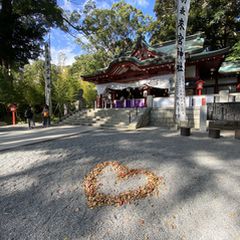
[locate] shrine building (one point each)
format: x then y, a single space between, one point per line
147 72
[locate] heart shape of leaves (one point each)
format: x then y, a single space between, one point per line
96 198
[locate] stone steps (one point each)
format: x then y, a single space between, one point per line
112 118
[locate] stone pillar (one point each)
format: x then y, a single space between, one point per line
203 118
224 95
99 101
65 109
149 101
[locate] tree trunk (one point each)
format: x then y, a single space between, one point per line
6 32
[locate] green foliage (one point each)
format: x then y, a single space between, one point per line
89 93
235 54
32 85
85 65
164 28
218 19
6 89
110 31
23 25
65 89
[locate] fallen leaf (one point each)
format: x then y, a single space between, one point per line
95 198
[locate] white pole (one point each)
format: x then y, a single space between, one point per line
48 84
180 102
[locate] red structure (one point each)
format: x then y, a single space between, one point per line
199 84
13 109
151 69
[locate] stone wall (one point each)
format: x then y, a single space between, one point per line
164 117
142 119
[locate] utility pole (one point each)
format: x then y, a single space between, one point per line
48 83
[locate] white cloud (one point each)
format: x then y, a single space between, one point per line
63 43
70 5
67 5
141 3
65 56
104 4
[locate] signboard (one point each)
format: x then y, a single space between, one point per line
182 17
223 111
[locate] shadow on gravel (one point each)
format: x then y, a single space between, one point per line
45 200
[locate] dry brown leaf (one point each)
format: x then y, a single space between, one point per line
95 198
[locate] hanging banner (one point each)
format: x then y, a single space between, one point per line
161 82
47 75
182 18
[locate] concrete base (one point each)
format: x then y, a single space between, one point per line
214 133
185 131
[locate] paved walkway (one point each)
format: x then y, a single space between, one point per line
19 135
42 195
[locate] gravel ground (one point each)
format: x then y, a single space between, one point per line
42 196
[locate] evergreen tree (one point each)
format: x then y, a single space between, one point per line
111 31
23 25
218 19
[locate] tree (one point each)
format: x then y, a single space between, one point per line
111 31
235 54
164 28
32 84
85 65
65 89
6 91
218 19
23 25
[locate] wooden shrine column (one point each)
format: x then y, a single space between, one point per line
146 91
197 77
238 82
113 97
215 78
99 101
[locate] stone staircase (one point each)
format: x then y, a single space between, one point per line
130 118
104 118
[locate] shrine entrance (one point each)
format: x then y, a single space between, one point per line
129 97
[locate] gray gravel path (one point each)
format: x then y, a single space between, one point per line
41 193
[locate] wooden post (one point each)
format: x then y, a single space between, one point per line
13 118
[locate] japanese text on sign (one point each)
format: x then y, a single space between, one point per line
182 17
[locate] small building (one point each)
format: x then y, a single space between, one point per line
135 78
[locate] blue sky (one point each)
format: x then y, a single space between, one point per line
64 43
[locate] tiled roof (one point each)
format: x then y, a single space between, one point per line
162 54
230 67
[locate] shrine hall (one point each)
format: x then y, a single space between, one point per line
148 72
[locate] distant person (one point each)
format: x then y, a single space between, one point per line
29 116
46 116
